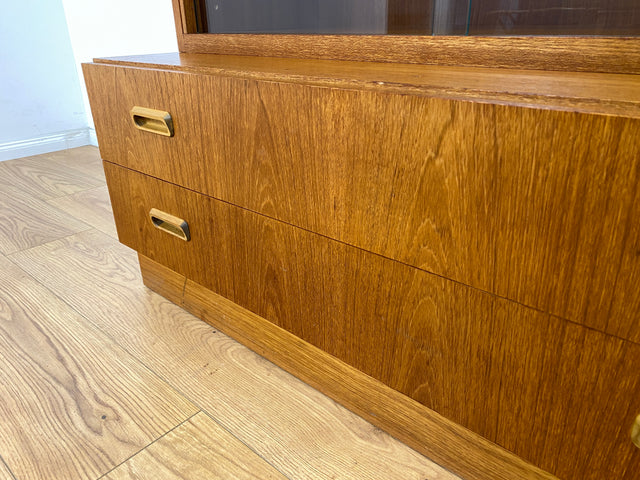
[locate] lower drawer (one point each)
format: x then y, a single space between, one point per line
558 394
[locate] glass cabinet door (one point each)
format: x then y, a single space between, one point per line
421 17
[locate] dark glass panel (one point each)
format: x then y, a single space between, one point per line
421 17
297 16
554 17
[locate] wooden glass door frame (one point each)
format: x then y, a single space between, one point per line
558 53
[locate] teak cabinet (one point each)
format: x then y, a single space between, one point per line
451 252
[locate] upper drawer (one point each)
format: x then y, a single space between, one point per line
538 206
114 92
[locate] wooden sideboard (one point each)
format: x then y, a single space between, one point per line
451 252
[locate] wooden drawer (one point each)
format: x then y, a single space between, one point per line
558 394
534 205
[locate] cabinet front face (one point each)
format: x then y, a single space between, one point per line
537 206
558 394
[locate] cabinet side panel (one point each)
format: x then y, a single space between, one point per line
103 94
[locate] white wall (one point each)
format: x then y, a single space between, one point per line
43 102
100 28
41 106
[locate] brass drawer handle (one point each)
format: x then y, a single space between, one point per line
635 432
154 121
168 223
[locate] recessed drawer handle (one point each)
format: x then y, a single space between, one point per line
635 432
170 224
154 121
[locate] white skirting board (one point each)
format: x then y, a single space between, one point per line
48 143
93 140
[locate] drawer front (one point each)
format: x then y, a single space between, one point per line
533 205
114 92
558 394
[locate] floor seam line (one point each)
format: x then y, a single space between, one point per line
13 475
148 445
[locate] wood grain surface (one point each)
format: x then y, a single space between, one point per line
295 428
85 160
626 301
91 207
5 473
454 349
73 404
529 204
26 221
186 13
588 92
116 126
582 54
196 450
41 178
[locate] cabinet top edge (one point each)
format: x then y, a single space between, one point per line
600 93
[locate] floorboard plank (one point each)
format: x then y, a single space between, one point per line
5 473
73 404
43 178
91 207
197 449
303 433
27 221
82 159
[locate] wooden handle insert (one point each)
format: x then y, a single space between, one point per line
153 121
171 224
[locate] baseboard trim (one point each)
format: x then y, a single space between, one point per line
45 144
452 446
93 139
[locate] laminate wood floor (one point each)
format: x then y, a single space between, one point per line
102 378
